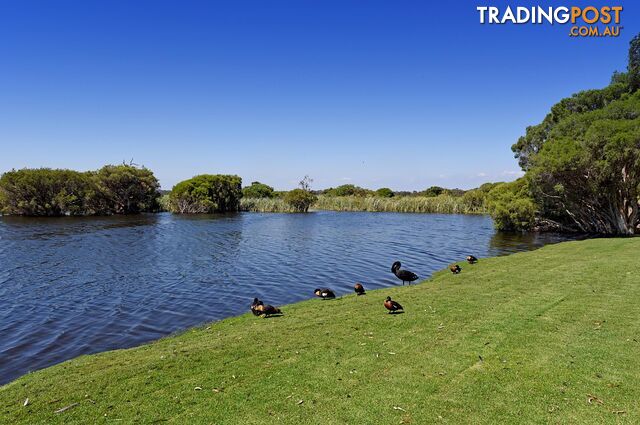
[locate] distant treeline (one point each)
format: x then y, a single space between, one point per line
488 198
113 189
128 189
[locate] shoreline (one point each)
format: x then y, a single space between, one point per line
481 305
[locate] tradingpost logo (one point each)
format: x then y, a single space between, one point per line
586 21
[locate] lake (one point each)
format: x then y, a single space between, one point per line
72 286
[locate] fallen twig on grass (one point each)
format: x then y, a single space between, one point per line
593 399
62 409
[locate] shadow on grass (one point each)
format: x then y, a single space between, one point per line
272 316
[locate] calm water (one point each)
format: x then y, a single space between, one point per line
71 286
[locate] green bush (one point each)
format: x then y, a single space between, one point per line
258 190
122 189
384 192
126 189
432 191
347 190
511 206
206 193
299 199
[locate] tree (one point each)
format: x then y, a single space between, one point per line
511 206
206 193
301 199
127 189
347 190
384 192
121 189
305 183
432 191
634 64
583 161
535 136
44 192
258 190
587 174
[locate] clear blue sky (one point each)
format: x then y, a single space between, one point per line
376 93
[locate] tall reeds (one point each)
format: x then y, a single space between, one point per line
442 204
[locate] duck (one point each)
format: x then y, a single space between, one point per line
324 293
471 259
359 289
455 269
403 275
392 306
255 305
266 310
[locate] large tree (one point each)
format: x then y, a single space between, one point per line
583 160
634 63
586 176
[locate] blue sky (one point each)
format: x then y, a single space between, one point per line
398 93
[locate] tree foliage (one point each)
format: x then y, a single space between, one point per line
206 193
634 64
432 191
347 190
583 160
302 198
384 192
511 205
258 190
127 189
587 175
121 189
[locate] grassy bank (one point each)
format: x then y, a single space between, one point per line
442 204
550 336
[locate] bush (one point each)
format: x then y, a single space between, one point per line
299 199
347 190
126 189
122 189
258 190
206 193
384 192
511 206
432 191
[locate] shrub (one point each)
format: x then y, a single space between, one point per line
511 206
126 189
299 199
206 193
384 192
122 189
347 190
258 190
432 191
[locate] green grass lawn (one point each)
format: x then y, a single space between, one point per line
550 336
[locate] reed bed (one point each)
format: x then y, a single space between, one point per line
443 204
265 205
